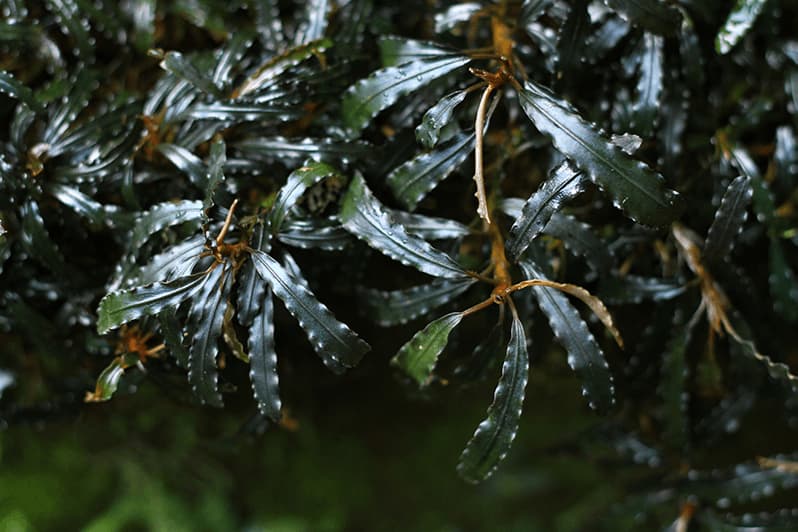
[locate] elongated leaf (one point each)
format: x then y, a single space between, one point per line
645 110
177 261
784 520
634 186
564 183
230 56
123 306
296 185
74 24
585 356
783 283
605 38
336 344
571 40
673 388
429 130
18 90
786 156
315 234
36 239
214 175
418 356
263 361
429 227
108 381
366 218
315 21
233 111
83 205
634 289
485 354
172 332
532 9
395 51
296 151
494 436
742 483
413 180
251 288
268 23
384 87
205 325
580 240
653 15
740 20
729 220
402 306
161 216
745 346
270 71
183 67
186 162
455 14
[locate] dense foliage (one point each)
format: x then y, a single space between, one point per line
478 179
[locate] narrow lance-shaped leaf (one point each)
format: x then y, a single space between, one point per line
74 24
653 15
648 92
161 216
418 356
108 381
205 325
429 130
172 332
18 90
123 306
315 23
532 9
455 14
384 87
337 345
571 40
413 180
182 67
315 233
743 483
585 356
263 360
401 306
494 436
365 217
250 286
83 205
740 20
488 351
580 240
36 239
398 50
186 162
215 174
429 227
295 151
635 289
296 185
564 183
636 188
729 220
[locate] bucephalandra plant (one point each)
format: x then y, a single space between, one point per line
623 171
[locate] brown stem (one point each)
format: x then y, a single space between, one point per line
227 221
479 178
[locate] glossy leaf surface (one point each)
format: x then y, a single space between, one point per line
418 357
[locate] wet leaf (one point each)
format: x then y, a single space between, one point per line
395 51
186 162
740 484
19 91
233 111
184 68
636 188
413 180
493 438
251 289
172 332
96 213
296 151
161 216
564 183
418 357
739 21
634 289
315 21
337 345
296 185
729 220
366 218
315 233
653 15
401 306
108 381
366 98
532 9
648 92
263 360
580 240
439 115
453 15
571 41
176 261
74 24
214 176
36 239
429 227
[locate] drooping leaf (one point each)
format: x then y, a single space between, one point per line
296 185
564 183
635 188
585 356
729 220
315 233
401 306
429 227
172 332
645 110
783 283
120 307
494 436
184 68
18 90
161 216
653 15
251 288
366 218
337 345
673 387
417 358
205 326
413 180
439 115
580 240
108 381
366 98
739 21
263 360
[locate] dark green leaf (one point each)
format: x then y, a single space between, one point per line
383 88
645 110
580 240
296 185
36 239
17 90
531 10
438 116
673 387
315 21
161 216
186 162
418 356
742 483
338 346
184 68
315 234
251 289
411 181
82 204
74 24
745 346
634 186
205 326
263 360
783 283
269 24
366 218
762 198
395 51
177 261
401 306
230 57
786 157
571 41
634 289
784 520
485 354
653 15
446 20
108 381
120 307
429 227
494 436
585 356
233 111
296 151
729 220
172 333
740 20
214 175
564 183
269 72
